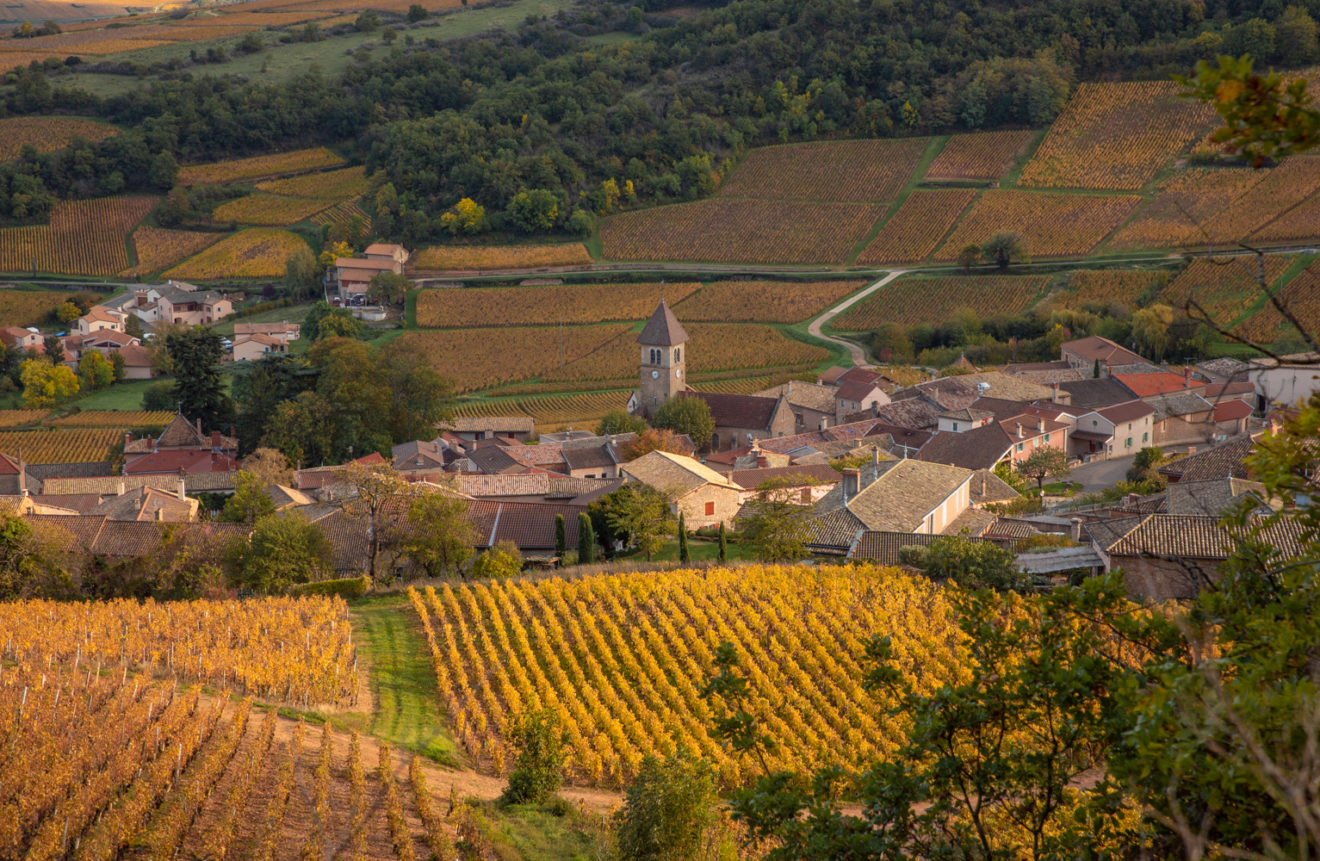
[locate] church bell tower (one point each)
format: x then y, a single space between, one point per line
664 359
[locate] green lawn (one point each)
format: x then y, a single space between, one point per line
699 550
287 314
403 683
120 396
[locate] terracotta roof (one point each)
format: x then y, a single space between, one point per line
418 454
79 502
534 484
181 433
1044 373
265 328
1010 528
914 413
1094 347
284 497
259 338
738 411
136 356
1157 383
851 390
1128 412
383 248
804 475
174 461
1231 410
674 473
100 536
363 264
663 329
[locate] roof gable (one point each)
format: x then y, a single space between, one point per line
663 329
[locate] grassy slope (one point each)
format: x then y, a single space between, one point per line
407 713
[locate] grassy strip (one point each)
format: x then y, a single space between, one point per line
407 712
936 145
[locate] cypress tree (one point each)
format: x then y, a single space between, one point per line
683 555
560 541
724 544
586 540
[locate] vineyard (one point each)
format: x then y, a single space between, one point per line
1116 136
1113 287
552 410
1055 225
28 307
458 257
48 134
979 156
858 171
259 167
762 301
621 659
18 418
1282 188
342 214
909 301
268 210
1301 297
85 237
531 306
159 249
740 230
118 419
344 184
915 230
60 446
282 649
260 252
1177 214
1224 288
474 360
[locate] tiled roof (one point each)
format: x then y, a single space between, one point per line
534 484
101 536
973 521
418 454
1211 497
1197 537
883 547
174 461
833 530
110 485
135 356
590 456
1222 461
530 525
738 411
493 424
986 487
1006 528
1094 347
799 394
1185 404
1231 410
265 328
913 412
674 473
1243 390
804 475
852 390
147 503
901 495
787 444
1157 383
1224 368
494 460
284 497
1105 533
1128 412
663 329
1044 373
1096 393
978 448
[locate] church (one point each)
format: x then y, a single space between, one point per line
739 419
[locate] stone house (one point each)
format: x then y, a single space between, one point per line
899 496
22 339
740 420
1083 355
249 347
99 318
702 495
1116 431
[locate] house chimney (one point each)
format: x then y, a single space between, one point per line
1040 425
1075 529
215 439
182 489
875 456
160 514
128 437
199 427
121 487
1054 392
849 482
1020 434
875 409
1187 377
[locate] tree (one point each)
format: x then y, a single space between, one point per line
502 560
196 355
45 385
1150 330
302 273
777 526
117 366
249 501
724 545
654 439
1006 247
284 549
388 288
969 256
371 494
67 313
620 421
94 371
538 767
416 12
158 397
1146 463
1264 117
670 811
970 564
466 218
586 540
441 535
53 349
638 515
31 563
534 211
1043 463
323 321
269 467
561 539
683 555
301 429
418 398
686 415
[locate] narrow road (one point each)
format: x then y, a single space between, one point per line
858 354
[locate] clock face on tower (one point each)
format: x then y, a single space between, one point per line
655 375
678 372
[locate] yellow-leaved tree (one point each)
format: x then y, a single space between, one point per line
45 385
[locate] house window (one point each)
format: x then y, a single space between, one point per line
710 509
1144 436
955 426
806 495
1021 446
1047 438
678 352
1127 443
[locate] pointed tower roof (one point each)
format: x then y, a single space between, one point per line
663 329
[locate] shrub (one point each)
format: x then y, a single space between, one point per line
538 767
346 587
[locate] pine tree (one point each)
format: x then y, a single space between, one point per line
724 543
586 541
683 555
